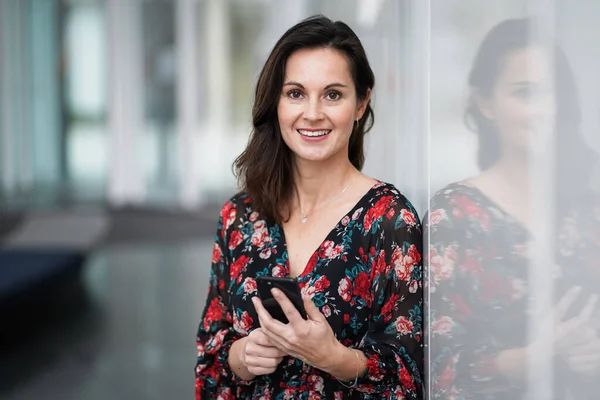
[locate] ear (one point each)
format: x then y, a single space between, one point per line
362 105
483 104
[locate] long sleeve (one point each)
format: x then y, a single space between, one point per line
216 333
462 339
393 343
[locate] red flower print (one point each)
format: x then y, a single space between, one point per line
216 255
226 395
345 220
404 326
368 220
473 210
312 262
408 217
446 379
228 215
235 240
316 383
413 287
442 265
260 235
216 342
344 289
278 271
413 254
326 311
215 312
265 253
403 264
379 264
389 307
442 326
374 369
237 266
362 285
249 285
436 216
253 216
391 213
356 214
346 318
244 324
406 379
321 284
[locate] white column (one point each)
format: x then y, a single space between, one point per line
217 34
125 179
188 103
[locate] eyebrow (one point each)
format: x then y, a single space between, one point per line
335 84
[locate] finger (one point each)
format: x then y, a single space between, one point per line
312 311
565 302
258 371
262 351
263 362
267 323
288 307
589 308
259 337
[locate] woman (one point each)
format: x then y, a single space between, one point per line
306 211
483 242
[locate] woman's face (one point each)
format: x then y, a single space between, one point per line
318 104
522 104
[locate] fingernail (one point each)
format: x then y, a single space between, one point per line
275 292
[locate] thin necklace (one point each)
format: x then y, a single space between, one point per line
305 216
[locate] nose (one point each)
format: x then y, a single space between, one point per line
313 110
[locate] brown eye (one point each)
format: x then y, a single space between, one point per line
294 94
333 95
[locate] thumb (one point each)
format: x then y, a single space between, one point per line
312 311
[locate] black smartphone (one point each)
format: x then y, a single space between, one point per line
289 287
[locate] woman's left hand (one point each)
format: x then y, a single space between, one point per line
311 340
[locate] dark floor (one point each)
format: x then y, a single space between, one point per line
126 333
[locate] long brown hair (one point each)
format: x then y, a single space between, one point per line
264 169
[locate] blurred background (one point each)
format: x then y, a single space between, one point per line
119 121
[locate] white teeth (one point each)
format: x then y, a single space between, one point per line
314 133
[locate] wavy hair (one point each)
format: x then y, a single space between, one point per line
264 169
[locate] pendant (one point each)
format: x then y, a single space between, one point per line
304 219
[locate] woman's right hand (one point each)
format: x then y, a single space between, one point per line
260 357
254 355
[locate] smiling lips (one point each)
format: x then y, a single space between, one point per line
314 133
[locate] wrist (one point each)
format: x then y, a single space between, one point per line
237 361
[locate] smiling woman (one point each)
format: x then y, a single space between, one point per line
352 243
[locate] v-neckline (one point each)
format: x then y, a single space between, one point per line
304 271
501 210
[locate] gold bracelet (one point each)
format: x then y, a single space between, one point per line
357 370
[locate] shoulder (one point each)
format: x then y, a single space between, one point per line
235 208
389 196
459 195
389 210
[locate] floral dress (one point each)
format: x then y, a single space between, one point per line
479 295
365 277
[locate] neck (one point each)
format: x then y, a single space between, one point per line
314 187
513 171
